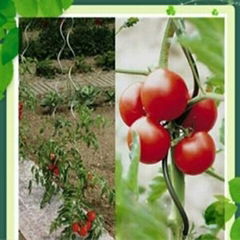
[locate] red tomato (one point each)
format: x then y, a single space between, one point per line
83 231
75 227
202 116
164 95
56 171
88 225
130 104
195 153
52 156
51 167
154 140
91 216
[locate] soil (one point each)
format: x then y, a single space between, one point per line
101 161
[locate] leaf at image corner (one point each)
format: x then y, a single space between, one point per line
5 77
234 233
53 10
10 46
66 3
4 3
26 8
234 188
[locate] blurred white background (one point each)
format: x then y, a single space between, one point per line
138 48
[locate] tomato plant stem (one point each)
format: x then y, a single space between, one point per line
166 44
176 190
214 96
215 175
133 72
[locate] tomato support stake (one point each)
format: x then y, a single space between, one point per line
175 183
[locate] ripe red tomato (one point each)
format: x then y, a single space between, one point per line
52 156
88 225
154 140
75 227
202 116
56 171
130 104
195 153
83 231
91 216
51 167
164 95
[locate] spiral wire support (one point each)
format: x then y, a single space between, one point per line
27 41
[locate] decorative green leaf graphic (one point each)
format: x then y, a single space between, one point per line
234 188
9 11
27 8
3 20
10 46
55 10
171 11
215 12
6 77
234 234
66 3
4 3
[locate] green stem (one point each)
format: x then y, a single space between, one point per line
133 72
214 96
119 30
169 32
215 175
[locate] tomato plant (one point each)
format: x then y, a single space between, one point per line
169 124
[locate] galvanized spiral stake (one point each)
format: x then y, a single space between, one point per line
25 34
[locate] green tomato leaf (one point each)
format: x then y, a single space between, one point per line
207 237
4 4
27 8
234 188
219 212
157 188
5 77
10 46
133 170
54 10
234 233
210 31
66 3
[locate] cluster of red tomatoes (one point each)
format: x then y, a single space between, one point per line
53 166
148 108
82 229
20 111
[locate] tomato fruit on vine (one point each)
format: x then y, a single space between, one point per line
202 116
154 140
130 104
56 171
91 216
88 225
75 227
195 154
164 95
83 231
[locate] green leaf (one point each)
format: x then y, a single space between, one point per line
157 188
9 11
219 212
54 10
10 46
171 11
207 237
133 169
211 53
234 233
27 8
66 3
3 20
234 188
5 77
4 4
